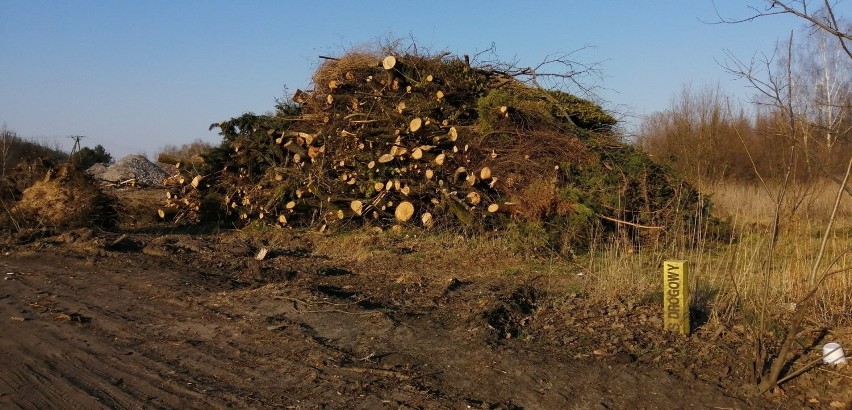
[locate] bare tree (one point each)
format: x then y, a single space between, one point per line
779 85
6 137
188 150
825 79
700 133
811 96
823 18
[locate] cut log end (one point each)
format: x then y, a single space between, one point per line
474 198
439 160
404 211
427 219
356 206
398 151
389 63
415 125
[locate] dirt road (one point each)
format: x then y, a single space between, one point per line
131 329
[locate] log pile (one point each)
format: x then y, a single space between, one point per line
407 140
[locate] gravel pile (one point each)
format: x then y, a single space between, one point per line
96 170
134 167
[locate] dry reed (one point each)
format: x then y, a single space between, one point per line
729 277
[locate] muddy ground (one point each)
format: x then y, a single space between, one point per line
169 319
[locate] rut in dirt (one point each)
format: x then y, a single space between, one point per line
159 336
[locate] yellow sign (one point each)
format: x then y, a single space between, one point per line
675 297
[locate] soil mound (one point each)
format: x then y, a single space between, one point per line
26 173
67 198
134 167
30 171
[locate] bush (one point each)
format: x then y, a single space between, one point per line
87 157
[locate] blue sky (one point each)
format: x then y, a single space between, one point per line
134 76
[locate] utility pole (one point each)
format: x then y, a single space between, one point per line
76 139
76 148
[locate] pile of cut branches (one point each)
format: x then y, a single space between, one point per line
429 141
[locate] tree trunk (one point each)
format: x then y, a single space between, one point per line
504 208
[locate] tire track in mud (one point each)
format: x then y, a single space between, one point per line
224 358
50 362
174 336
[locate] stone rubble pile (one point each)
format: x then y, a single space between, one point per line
133 167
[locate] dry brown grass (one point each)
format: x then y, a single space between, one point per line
726 278
730 277
808 203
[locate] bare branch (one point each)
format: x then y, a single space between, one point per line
754 16
558 70
824 19
795 326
